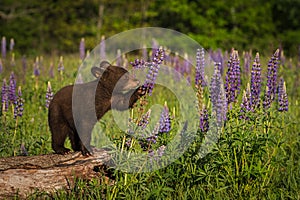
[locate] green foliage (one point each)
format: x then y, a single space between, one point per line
52 26
256 158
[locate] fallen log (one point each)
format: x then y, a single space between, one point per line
23 175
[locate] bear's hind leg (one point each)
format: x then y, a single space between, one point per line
59 135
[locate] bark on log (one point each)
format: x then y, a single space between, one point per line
23 175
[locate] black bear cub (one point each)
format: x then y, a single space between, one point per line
113 86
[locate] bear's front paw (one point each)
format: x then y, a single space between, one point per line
141 91
86 151
62 150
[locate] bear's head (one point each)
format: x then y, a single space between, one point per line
115 78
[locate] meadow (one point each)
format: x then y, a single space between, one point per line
257 155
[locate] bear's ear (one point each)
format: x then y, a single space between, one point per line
104 64
98 71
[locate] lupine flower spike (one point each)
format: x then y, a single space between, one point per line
24 64
102 48
18 111
13 61
3 47
51 70
233 78
12 88
119 58
153 70
11 44
204 124
246 105
4 96
82 49
23 151
61 66
283 102
200 63
218 99
271 80
165 120
1 66
36 66
49 95
255 82
144 121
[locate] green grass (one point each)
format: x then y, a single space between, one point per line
258 158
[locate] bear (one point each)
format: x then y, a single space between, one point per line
114 85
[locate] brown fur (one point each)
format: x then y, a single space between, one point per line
60 116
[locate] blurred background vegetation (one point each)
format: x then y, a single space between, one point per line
53 26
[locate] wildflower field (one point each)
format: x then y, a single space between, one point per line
256 156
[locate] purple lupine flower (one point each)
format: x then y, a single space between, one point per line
82 49
200 63
151 155
51 70
1 66
4 96
145 52
204 124
128 142
138 64
283 102
146 141
218 99
272 73
275 61
186 67
24 64
154 48
12 88
61 66
152 139
36 67
49 95
237 72
3 47
233 77
215 85
246 101
267 98
271 80
11 44
102 48
220 59
168 57
153 66
13 61
144 121
119 58
155 155
221 108
176 62
255 86
165 120
247 60
153 70
23 151
18 110
217 58
161 150
79 80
